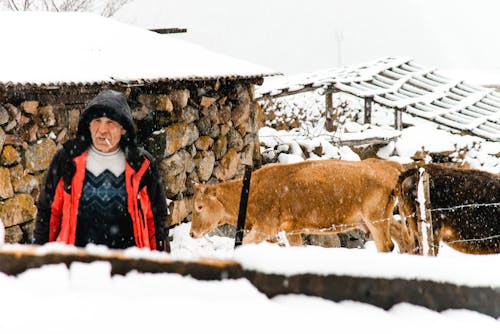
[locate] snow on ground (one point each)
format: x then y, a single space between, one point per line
86 299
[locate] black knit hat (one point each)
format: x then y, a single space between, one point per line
110 104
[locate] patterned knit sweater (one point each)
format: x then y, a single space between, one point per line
103 217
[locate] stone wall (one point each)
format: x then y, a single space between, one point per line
202 131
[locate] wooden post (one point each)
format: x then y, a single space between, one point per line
398 119
368 109
245 189
425 228
328 110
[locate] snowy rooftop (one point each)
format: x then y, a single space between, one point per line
399 83
45 48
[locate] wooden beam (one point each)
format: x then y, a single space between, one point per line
398 119
328 111
368 109
169 30
424 216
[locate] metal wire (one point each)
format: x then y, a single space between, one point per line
343 227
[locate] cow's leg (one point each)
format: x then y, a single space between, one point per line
255 236
380 230
400 234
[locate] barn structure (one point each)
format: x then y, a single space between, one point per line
405 87
194 109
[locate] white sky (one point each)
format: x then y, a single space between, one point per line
302 36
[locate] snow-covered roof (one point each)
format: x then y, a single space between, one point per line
401 84
44 48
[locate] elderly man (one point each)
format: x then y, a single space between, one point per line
100 187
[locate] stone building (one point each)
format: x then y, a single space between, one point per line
194 109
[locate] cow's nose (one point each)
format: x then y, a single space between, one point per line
191 234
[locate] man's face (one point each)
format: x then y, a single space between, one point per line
106 134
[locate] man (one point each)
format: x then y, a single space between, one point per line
100 187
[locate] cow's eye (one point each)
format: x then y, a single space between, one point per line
199 207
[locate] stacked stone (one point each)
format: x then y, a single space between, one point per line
197 131
206 134
28 140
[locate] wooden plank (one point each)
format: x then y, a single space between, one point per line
381 292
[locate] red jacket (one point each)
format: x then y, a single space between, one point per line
57 212
64 209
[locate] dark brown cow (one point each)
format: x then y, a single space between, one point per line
465 209
311 197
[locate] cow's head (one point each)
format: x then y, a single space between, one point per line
407 201
208 211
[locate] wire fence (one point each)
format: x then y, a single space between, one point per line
344 227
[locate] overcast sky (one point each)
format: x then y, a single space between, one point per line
299 36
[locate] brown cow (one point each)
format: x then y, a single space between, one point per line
312 197
465 209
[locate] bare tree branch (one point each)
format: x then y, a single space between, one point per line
107 7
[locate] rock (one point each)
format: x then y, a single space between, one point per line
30 107
204 143
6 189
26 184
323 240
220 147
204 162
38 157
179 210
14 140
240 114
10 156
32 133
190 114
14 113
247 154
47 115
175 184
180 135
225 114
73 118
163 103
180 162
179 98
2 139
234 140
62 137
228 165
4 115
204 125
17 210
207 101
14 234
